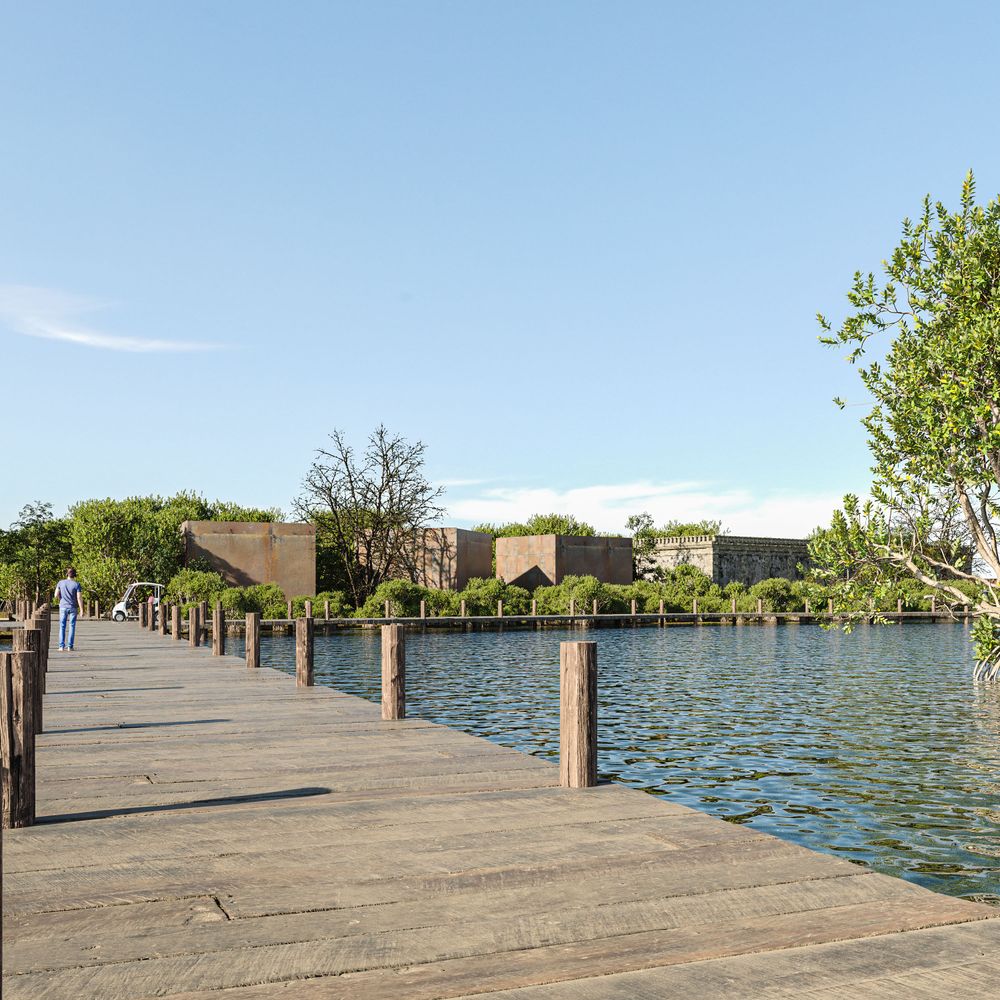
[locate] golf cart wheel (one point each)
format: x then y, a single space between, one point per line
119 616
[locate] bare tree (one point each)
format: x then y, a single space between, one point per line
370 506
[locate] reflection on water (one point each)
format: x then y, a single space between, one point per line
875 745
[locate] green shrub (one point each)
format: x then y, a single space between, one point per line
195 585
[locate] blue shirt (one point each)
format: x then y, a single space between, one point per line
67 590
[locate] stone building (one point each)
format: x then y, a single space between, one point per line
247 553
729 558
542 560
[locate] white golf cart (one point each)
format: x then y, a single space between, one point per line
128 606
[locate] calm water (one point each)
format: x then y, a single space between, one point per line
875 746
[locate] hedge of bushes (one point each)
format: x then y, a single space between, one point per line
677 591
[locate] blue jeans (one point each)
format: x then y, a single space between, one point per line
67 615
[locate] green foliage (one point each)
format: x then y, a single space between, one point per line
678 529
776 594
934 429
34 553
539 524
225 510
404 599
339 608
481 596
195 585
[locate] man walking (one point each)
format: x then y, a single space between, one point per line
70 599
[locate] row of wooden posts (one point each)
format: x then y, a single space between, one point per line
577 677
22 686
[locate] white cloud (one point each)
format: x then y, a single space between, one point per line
53 315
606 506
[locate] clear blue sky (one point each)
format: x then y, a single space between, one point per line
575 248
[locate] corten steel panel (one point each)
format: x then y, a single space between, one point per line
447 558
246 553
608 559
542 560
528 561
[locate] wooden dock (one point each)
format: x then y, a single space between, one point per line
208 831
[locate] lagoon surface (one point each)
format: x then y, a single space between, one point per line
875 746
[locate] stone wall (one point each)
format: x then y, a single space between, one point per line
729 558
247 553
532 561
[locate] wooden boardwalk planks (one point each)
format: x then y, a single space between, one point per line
212 831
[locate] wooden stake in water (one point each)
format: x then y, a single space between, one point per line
303 652
577 714
253 640
18 675
218 630
194 627
393 672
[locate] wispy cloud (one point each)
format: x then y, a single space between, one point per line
54 315
607 506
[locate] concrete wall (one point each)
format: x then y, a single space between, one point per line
729 558
248 553
543 560
447 558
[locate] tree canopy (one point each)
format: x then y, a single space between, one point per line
934 427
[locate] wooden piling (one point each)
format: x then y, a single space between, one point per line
309 609
143 613
393 672
499 609
203 622
594 608
462 611
97 609
194 626
304 652
572 606
733 603
165 608
175 621
253 640
899 605
534 607
760 605
577 714
326 610
218 630
290 610
387 609
423 609
807 606
694 606
661 608
635 607
829 606
18 677
28 640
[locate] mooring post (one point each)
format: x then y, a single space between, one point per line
577 714
534 607
203 622
499 609
423 609
303 652
393 672
635 607
694 606
594 611
175 621
43 622
829 606
28 640
933 604
309 609
326 610
462 610
253 639
18 676
760 605
165 608
154 616
733 604
194 626
97 609
143 611
899 605
661 607
290 611
572 606
387 609
807 605
218 630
